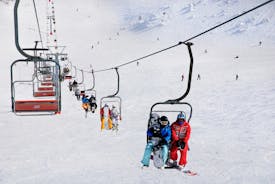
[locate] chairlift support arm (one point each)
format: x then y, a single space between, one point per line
16 34
82 75
177 101
93 86
118 82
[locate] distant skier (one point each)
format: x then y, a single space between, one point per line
159 135
180 135
115 118
237 76
260 43
182 77
199 77
105 114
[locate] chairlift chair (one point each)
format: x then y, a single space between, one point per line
44 105
113 100
177 101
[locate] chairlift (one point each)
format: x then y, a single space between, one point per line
40 90
113 100
62 59
46 100
181 106
34 106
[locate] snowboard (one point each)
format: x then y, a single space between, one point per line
157 158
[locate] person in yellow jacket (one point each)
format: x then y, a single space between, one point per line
105 114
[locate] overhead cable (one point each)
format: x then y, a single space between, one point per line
184 42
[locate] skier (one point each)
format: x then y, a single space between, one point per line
77 93
70 86
85 103
115 117
74 85
93 105
105 113
199 77
159 135
66 70
180 135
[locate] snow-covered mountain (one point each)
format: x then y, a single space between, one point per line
232 138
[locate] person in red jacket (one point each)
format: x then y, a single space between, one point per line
180 135
105 115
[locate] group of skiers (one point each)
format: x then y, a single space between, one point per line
109 117
88 103
169 139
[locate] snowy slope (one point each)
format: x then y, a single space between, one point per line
233 127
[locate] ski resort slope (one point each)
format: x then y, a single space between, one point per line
233 130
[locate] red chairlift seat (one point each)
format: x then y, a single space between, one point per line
48 80
45 88
44 93
36 105
47 83
68 77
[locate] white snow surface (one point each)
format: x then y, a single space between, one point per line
233 123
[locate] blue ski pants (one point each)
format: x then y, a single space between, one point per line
148 150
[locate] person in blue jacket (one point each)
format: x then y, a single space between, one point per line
85 103
159 134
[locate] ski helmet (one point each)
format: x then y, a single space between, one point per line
181 116
164 120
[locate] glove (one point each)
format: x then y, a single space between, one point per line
163 142
180 144
156 132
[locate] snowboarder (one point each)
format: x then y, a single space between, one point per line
93 105
115 118
180 135
159 135
105 113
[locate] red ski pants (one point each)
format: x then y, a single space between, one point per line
183 154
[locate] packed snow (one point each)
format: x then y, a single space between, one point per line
233 122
